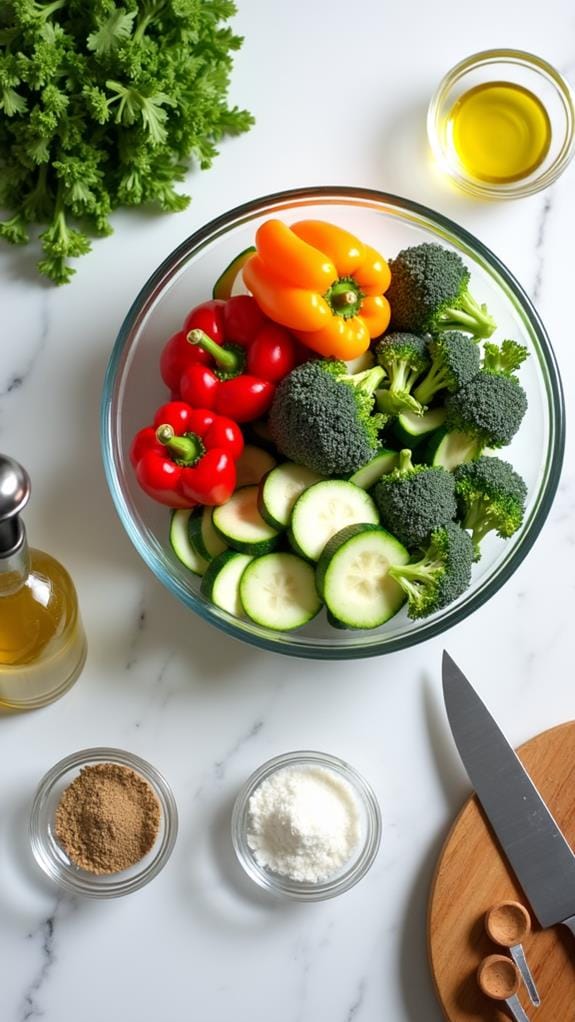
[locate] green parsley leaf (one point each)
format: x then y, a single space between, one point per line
114 31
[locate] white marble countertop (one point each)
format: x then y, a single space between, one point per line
339 92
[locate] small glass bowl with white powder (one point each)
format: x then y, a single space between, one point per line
306 826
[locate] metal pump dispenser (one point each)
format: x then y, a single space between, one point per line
14 495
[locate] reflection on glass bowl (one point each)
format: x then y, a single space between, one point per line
133 388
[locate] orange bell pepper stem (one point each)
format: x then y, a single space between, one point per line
292 260
346 252
293 307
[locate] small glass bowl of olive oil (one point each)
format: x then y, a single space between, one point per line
502 124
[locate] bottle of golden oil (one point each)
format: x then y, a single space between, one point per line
500 132
42 641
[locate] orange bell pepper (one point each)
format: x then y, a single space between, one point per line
322 283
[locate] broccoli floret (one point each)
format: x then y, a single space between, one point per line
504 360
404 358
429 293
321 416
488 410
441 575
455 359
415 499
490 498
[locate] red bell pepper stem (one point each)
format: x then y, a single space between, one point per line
225 358
187 449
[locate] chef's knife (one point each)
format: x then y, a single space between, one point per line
533 843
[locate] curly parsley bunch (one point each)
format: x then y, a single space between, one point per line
103 106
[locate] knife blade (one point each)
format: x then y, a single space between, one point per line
529 836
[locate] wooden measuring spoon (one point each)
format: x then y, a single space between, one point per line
508 924
498 978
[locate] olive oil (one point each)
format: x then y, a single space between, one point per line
42 641
499 131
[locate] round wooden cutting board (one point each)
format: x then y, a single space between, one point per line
472 875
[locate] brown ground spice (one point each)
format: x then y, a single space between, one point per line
107 819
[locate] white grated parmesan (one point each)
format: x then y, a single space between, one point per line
304 823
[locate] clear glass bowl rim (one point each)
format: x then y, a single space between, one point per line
512 190
82 883
283 886
290 644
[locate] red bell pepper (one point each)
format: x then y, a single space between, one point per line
176 354
241 382
188 457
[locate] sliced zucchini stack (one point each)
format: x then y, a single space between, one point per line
333 522
353 579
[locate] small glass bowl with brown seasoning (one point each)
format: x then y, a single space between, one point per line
103 823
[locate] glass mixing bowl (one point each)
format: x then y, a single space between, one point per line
133 389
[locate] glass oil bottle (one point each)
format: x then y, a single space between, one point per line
42 640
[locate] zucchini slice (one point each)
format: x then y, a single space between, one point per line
325 509
353 578
280 489
451 449
221 582
203 535
410 429
278 591
385 461
181 544
241 526
252 464
224 286
361 362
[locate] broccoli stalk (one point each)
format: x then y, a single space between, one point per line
467 315
440 575
367 381
455 359
322 416
490 497
429 293
404 358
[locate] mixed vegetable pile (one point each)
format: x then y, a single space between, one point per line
330 437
